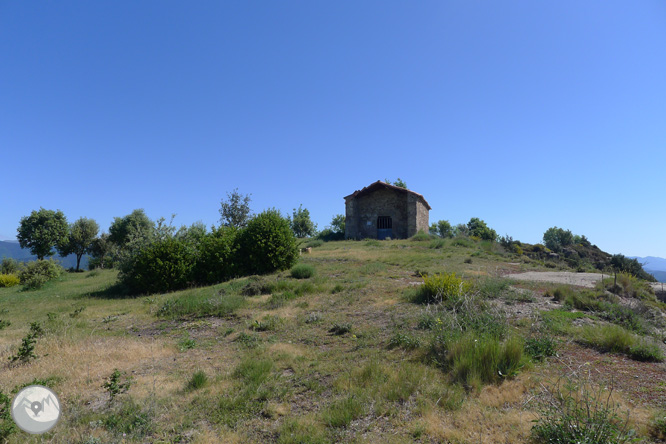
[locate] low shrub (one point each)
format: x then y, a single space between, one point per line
402 340
463 242
9 265
268 323
440 287
608 338
657 426
302 271
9 280
129 418
493 287
437 243
162 266
540 347
314 243
280 299
646 350
36 273
421 236
340 329
576 412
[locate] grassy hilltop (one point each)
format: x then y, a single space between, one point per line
346 347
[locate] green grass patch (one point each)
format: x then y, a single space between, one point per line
201 304
302 271
198 380
342 412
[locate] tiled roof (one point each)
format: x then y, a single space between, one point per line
379 184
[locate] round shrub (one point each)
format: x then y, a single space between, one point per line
162 266
302 271
37 273
267 244
214 262
9 280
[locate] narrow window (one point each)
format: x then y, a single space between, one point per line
384 222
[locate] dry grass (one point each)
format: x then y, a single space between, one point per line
402 396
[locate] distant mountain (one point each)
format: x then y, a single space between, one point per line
652 262
659 275
13 250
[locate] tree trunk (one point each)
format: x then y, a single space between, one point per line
78 260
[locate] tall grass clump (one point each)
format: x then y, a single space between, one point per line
476 359
576 412
440 288
616 339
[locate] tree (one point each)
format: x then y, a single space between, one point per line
442 228
557 238
235 211
82 233
338 224
42 231
135 224
478 228
301 224
101 250
398 183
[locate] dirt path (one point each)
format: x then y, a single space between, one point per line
588 280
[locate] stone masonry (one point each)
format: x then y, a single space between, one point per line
406 211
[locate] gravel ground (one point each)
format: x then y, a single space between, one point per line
560 277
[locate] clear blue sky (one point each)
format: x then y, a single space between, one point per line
525 114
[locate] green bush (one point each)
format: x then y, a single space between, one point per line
266 245
302 271
646 350
36 273
9 265
9 280
420 236
215 257
540 347
162 266
441 287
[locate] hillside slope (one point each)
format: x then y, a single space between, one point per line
354 353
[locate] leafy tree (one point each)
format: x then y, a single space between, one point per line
101 250
82 233
338 223
557 238
478 228
301 223
398 183
267 244
460 230
42 231
235 211
442 228
134 225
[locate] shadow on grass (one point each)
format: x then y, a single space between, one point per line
115 291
